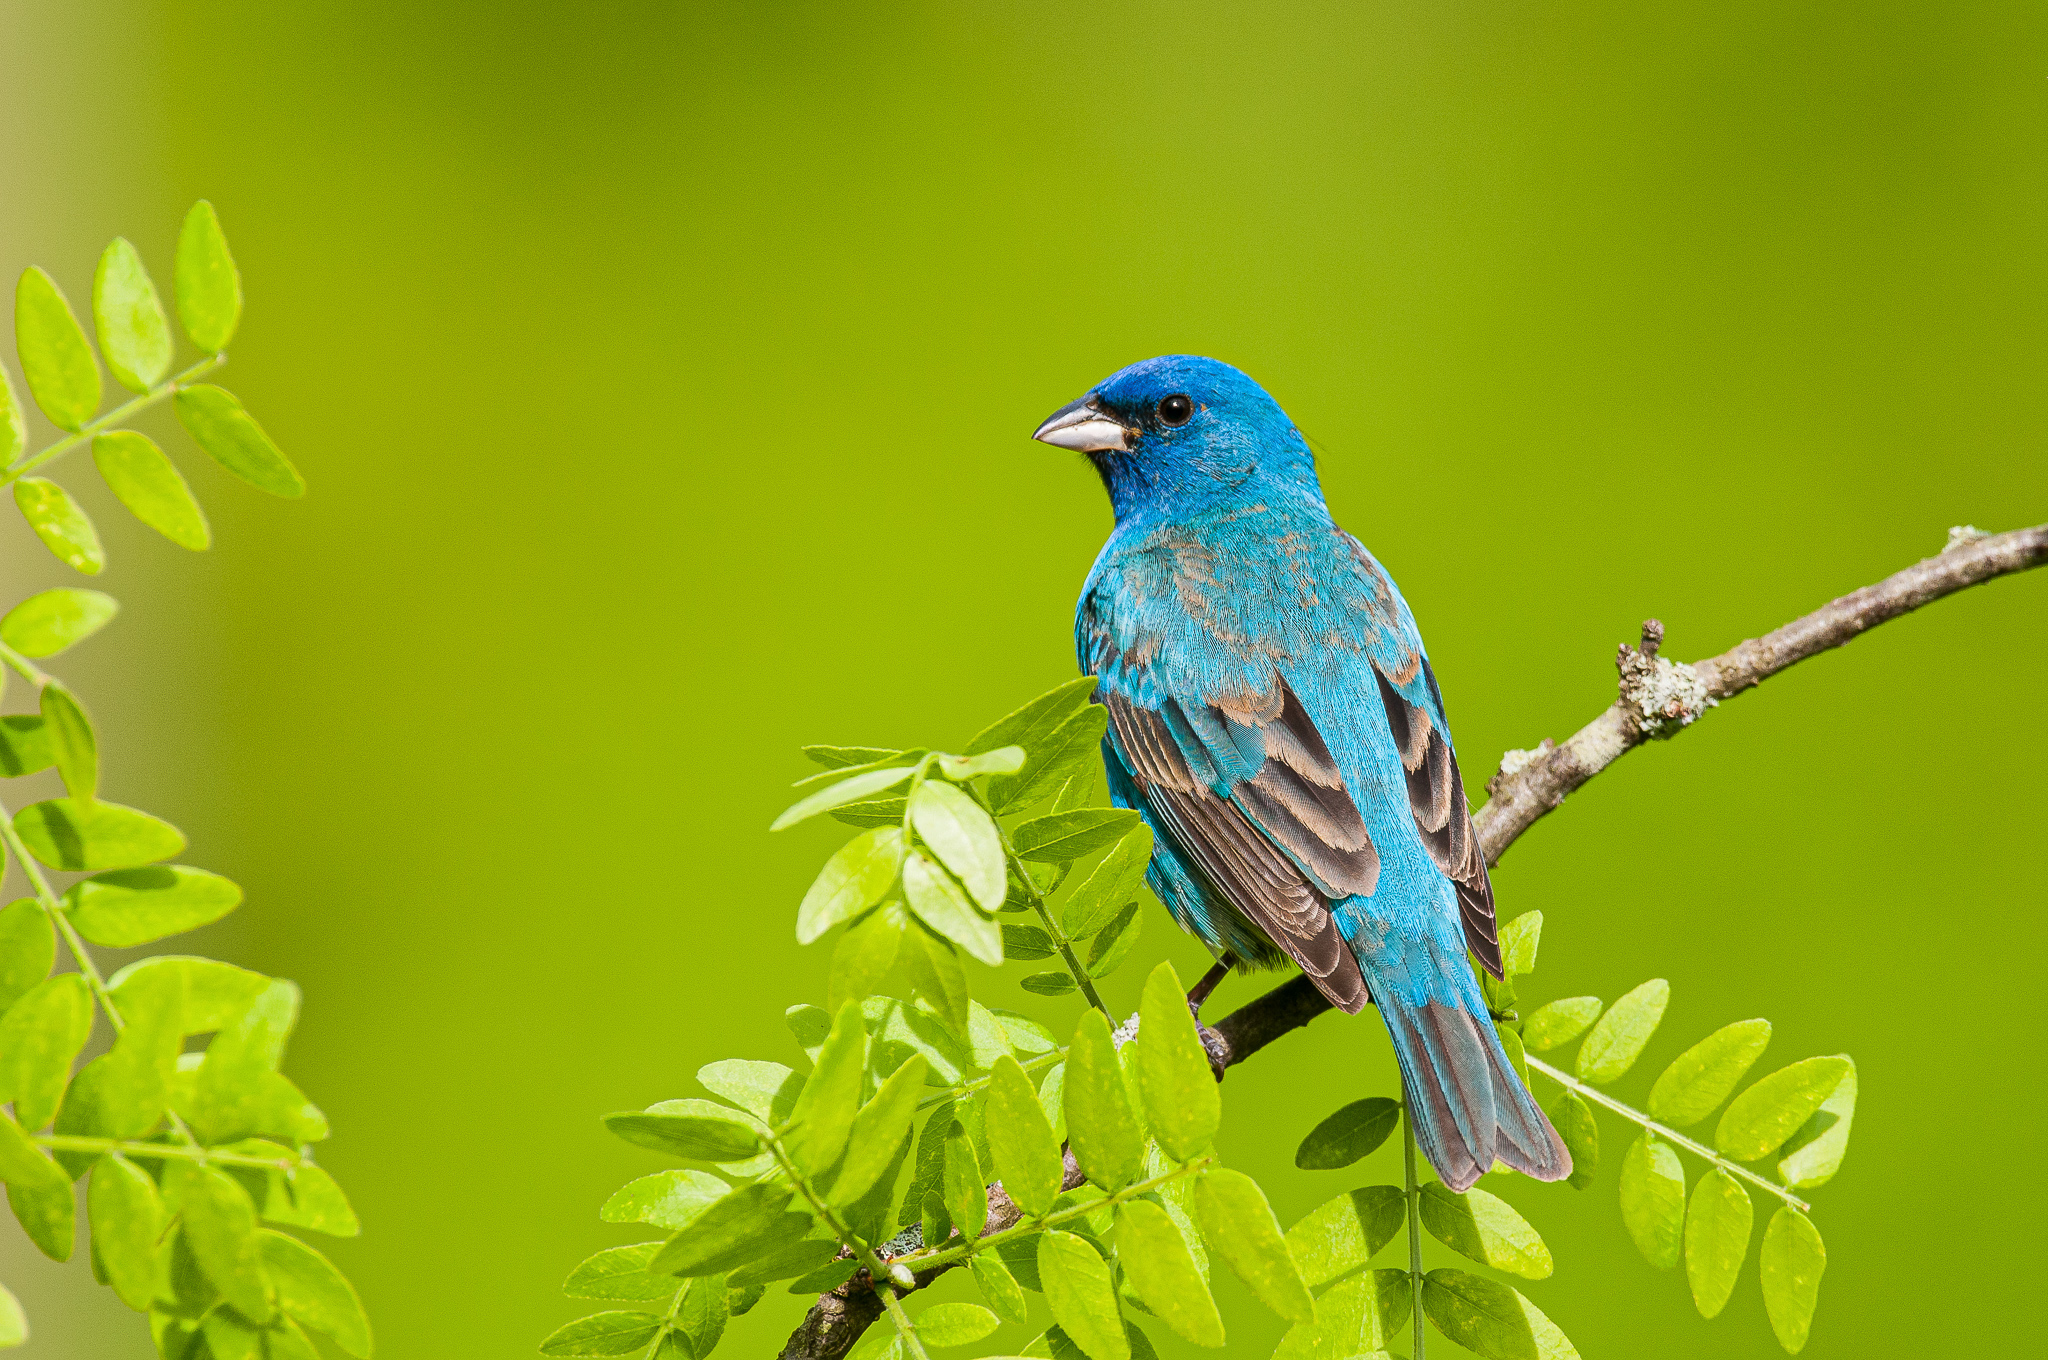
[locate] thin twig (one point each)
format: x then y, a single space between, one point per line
1658 699
85 433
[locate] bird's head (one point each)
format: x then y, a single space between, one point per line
1181 434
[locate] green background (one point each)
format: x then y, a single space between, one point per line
663 379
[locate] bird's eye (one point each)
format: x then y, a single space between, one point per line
1176 409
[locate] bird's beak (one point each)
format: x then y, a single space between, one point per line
1085 428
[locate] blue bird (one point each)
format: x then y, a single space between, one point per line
1274 719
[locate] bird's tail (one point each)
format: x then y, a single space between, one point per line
1468 1106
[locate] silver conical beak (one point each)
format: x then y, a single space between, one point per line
1085 428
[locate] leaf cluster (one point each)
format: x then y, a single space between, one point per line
136 342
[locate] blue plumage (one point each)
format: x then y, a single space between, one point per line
1274 719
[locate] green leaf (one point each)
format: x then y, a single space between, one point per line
1653 1199
879 1129
1112 944
127 1217
703 1312
854 879
865 954
999 1288
1771 1111
219 1225
1163 1272
134 334
619 1274
231 437
825 1111
1054 983
60 524
1348 1135
13 436
1791 1261
1020 1139
75 836
963 837
866 784
1511 1045
128 907
207 286
1490 1318
1239 1227
1700 1078
1064 837
846 757
1815 1153
786 1262
766 1090
614 1333
123 1092
695 1137
1067 748
1079 1291
313 1293
237 1090
963 1190
71 741
1102 1128
46 623
899 1029
1030 725
24 745
1573 1120
1518 940
1617 1040
938 973
1023 943
1716 1239
937 901
145 481
38 1191
872 812
55 357
1113 885
215 993
1349 1323
230 1338
955 1324
741 1226
1557 1023
39 1037
13 1321
28 950
1486 1229
827 1277
667 1199
1182 1104
307 1197
1340 1237
960 769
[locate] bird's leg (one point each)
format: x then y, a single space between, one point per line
1200 991
1212 1042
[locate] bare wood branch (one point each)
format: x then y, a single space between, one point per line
1658 698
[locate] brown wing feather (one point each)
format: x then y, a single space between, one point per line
1241 864
1436 797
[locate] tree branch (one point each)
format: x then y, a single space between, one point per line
1658 698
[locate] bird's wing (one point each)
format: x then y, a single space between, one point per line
1251 796
1422 735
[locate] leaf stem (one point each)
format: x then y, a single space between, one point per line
879 1272
902 1321
1669 1134
64 1142
1414 1200
954 1255
112 418
30 672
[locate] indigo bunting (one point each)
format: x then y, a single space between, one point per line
1275 721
